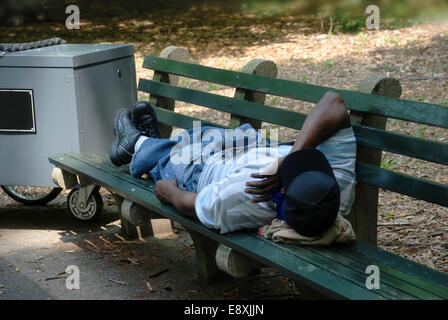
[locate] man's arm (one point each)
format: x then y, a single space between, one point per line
167 191
328 117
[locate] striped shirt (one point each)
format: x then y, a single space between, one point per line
222 204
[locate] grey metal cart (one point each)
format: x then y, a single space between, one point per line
57 97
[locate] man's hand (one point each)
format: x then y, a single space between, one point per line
164 189
328 117
263 188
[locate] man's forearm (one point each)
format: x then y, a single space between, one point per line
167 191
184 201
329 116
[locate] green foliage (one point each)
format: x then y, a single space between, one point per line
213 87
389 163
275 100
302 78
363 35
182 81
420 98
421 131
394 40
431 68
388 67
349 24
328 63
393 121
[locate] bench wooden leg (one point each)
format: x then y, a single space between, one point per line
64 179
234 263
131 231
132 224
205 257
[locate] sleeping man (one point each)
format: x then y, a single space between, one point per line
232 179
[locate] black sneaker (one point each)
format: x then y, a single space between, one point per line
126 135
145 119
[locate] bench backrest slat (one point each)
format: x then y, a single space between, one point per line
418 112
371 137
398 182
244 108
180 120
415 147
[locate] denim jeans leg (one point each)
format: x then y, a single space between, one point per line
148 155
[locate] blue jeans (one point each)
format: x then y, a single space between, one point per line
154 155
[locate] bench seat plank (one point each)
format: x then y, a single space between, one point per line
394 265
415 284
340 273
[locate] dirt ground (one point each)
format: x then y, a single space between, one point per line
37 244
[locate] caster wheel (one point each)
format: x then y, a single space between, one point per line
91 210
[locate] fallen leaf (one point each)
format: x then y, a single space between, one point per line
121 283
148 285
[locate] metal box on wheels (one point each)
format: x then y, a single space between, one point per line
56 99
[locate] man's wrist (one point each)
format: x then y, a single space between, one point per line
171 193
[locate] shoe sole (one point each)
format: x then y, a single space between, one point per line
150 112
113 148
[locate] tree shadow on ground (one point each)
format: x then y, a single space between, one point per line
205 26
51 218
408 61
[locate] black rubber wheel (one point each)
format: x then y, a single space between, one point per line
32 196
91 210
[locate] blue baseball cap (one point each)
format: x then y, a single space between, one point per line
312 194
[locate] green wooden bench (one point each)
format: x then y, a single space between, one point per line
334 272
